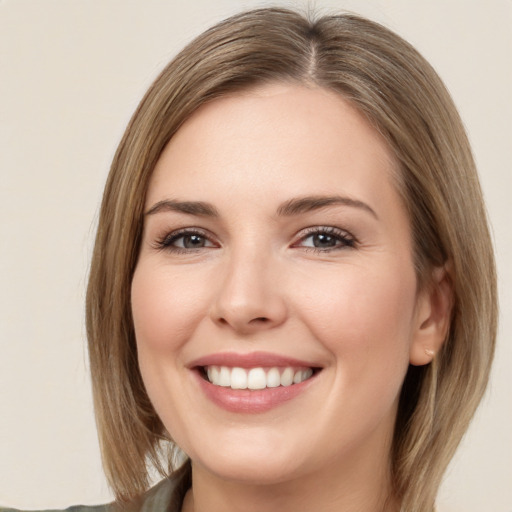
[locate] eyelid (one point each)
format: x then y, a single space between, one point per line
349 240
165 242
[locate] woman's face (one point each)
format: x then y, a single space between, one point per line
276 248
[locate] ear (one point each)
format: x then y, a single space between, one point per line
433 317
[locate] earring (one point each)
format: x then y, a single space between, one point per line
430 353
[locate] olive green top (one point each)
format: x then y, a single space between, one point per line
166 496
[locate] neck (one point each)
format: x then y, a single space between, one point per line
318 496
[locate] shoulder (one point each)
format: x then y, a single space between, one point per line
166 496
78 508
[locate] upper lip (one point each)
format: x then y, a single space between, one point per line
249 360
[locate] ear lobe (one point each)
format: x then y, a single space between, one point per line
433 317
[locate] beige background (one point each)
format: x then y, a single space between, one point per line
71 73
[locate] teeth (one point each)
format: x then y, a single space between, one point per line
224 377
302 375
287 377
273 378
307 373
256 378
238 378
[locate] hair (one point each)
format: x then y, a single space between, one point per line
394 87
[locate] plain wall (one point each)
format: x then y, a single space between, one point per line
71 74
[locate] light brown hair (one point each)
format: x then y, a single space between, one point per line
402 96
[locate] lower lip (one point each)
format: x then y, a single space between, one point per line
249 401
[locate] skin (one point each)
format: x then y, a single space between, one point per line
257 283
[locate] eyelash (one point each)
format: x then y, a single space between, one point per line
165 243
342 238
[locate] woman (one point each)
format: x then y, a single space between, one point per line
293 278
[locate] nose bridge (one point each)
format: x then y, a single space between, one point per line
248 297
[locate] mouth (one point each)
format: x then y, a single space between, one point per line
254 382
257 378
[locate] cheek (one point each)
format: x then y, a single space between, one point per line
364 318
165 309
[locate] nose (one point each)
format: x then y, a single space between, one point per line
248 297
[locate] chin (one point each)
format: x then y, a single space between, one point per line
256 463
253 471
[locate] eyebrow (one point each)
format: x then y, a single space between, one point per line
198 208
309 203
289 208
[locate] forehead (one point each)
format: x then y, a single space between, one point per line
286 138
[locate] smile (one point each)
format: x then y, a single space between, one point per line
254 382
255 378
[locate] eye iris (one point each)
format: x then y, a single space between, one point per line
193 241
324 240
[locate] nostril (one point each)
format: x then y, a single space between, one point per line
260 319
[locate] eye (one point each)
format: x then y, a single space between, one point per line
191 241
185 240
325 239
